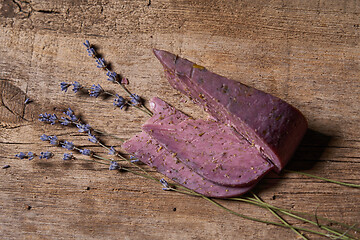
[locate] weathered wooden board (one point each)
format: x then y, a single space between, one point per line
306 52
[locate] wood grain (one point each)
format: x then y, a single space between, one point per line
306 52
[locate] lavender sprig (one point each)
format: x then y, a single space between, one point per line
113 77
29 155
50 118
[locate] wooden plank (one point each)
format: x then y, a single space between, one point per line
306 52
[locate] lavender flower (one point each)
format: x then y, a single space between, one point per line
21 155
64 86
53 140
71 115
85 151
76 87
112 151
164 183
87 44
112 76
95 90
114 165
136 100
133 159
46 155
83 127
68 145
65 121
119 101
46 117
100 63
31 155
44 137
89 49
68 156
93 139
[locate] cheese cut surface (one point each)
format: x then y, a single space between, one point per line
149 151
152 153
273 126
212 150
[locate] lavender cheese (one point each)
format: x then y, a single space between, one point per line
270 124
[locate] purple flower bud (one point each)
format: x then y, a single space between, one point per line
136 100
87 44
27 100
119 101
64 86
65 121
83 127
50 118
112 76
164 183
71 115
31 155
85 151
68 145
100 63
67 156
112 151
21 155
44 137
114 165
76 87
53 140
92 138
95 90
46 155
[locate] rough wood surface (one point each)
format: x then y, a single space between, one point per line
306 52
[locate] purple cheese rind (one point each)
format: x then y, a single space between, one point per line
212 150
269 123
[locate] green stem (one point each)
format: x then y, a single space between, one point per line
280 218
287 212
108 134
126 90
268 222
109 93
325 179
91 160
147 111
251 200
